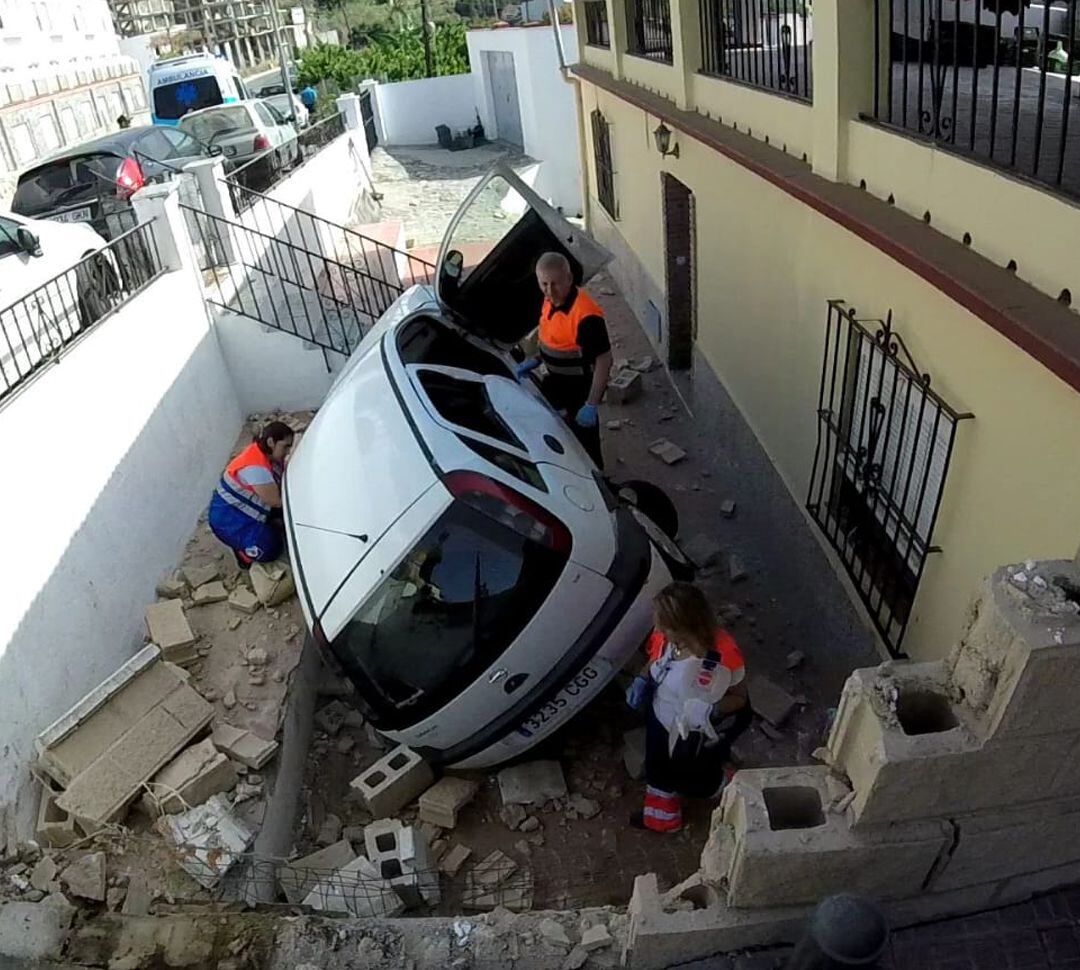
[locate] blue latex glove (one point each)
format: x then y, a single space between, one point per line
527 366
588 416
637 693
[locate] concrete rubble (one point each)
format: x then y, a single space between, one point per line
243 746
667 451
189 779
532 782
209 838
272 582
396 779
208 593
85 877
441 803
169 629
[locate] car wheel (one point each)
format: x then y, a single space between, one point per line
99 289
652 501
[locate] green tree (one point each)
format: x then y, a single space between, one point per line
389 55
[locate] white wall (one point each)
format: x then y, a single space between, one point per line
49 36
406 112
111 456
548 110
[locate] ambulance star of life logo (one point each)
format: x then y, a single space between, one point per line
187 93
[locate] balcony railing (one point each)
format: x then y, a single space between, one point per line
649 28
991 84
763 43
597 32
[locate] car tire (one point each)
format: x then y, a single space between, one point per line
99 289
652 501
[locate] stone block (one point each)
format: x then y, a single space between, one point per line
633 753
356 889
171 588
497 881
208 593
1018 663
197 576
244 600
702 550
35 931
85 877
454 859
769 700
189 779
441 803
667 451
55 827
624 387
532 783
397 778
596 938
273 582
773 843
168 627
299 877
243 746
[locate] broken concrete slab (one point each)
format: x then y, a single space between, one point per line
794 659
667 451
596 937
357 889
769 700
189 780
553 933
85 877
512 816
197 576
172 588
727 508
298 878
170 630
55 827
624 387
35 931
453 859
393 781
441 803
273 582
531 783
244 600
210 839
633 753
330 830
139 897
208 593
702 550
401 854
43 875
243 746
578 806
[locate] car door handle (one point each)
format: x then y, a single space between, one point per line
496 675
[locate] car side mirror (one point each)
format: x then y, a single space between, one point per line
215 151
453 265
28 242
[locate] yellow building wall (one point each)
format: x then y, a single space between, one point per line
766 266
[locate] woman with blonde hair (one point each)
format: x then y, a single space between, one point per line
697 703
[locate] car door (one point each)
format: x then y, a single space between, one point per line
486 267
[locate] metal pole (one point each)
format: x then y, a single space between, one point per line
348 26
283 59
429 57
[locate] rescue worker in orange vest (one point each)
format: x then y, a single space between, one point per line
694 688
245 510
574 349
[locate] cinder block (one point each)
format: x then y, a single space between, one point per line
273 582
400 853
208 593
1018 663
441 803
357 889
299 877
775 843
624 387
189 780
393 781
55 828
169 629
247 748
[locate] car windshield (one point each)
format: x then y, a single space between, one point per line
172 101
451 607
213 124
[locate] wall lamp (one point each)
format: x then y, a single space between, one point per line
662 137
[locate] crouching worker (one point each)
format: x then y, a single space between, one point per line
697 705
245 511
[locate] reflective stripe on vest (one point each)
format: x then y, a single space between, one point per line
559 345
240 496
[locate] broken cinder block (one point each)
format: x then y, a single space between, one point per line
441 803
55 827
393 781
169 629
189 780
244 600
247 748
769 700
668 452
172 588
272 581
208 593
357 889
624 387
298 878
531 783
197 576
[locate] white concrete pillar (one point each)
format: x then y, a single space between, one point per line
216 201
159 204
349 106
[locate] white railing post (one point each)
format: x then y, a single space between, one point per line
159 204
216 201
349 106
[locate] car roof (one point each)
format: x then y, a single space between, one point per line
117 142
214 108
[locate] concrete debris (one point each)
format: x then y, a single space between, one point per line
512 816
35 931
197 576
345 744
576 958
769 700
532 783
624 387
727 508
736 569
114 898
229 700
553 933
298 878
531 824
770 732
462 932
210 839
234 623
596 938
823 755
703 551
454 859
401 854
578 806
497 881
208 593
634 753
331 717
357 889
523 847
642 364
139 897
85 877
244 600
441 803
171 588
55 827
189 779
397 778
43 875
273 582
330 830
354 719
243 746
613 425
668 452
795 659
169 629
257 657
840 805
257 678
493 870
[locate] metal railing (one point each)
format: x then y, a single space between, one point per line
36 329
764 43
605 172
285 279
597 31
992 84
649 29
884 443
270 167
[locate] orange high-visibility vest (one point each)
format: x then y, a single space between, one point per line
559 347
235 492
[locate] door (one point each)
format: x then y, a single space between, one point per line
679 258
367 115
504 96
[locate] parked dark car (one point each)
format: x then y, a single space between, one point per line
93 182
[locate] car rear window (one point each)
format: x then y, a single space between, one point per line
213 124
466 404
172 101
451 607
40 186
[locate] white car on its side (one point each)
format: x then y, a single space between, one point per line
458 554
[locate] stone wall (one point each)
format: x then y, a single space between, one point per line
946 787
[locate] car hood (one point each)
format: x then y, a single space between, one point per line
500 231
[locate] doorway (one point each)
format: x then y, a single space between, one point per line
504 96
679 260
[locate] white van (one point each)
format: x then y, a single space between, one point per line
182 84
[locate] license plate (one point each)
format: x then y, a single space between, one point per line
560 703
73 215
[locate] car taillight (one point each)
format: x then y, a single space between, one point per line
261 143
129 179
503 504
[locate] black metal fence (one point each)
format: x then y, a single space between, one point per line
597 32
992 80
649 29
884 443
763 43
35 329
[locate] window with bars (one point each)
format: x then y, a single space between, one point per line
605 173
597 32
649 29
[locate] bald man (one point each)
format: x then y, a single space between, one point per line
574 349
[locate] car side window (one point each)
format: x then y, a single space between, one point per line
264 116
182 145
279 118
9 240
155 146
